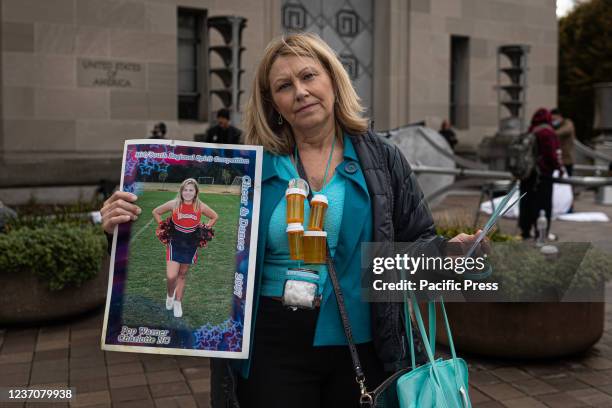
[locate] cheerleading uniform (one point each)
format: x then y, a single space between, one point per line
183 246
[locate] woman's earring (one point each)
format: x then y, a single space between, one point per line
280 120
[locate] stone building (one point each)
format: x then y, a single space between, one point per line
78 77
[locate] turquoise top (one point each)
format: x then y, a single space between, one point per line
277 259
329 329
355 227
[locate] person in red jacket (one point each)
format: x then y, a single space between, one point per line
182 250
539 184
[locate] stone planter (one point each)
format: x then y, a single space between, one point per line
523 330
26 300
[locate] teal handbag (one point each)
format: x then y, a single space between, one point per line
439 383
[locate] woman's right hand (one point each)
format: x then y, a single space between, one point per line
119 209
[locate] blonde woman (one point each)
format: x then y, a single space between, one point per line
304 111
182 249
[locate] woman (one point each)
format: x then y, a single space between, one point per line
539 185
182 249
305 112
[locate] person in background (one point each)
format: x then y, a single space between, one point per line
223 132
448 133
159 131
564 127
539 184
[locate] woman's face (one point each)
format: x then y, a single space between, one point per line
188 193
302 92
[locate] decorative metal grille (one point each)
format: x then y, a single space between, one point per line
347 26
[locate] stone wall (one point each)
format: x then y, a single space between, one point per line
487 24
78 77
81 76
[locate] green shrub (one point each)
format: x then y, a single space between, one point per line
521 269
33 214
59 254
35 209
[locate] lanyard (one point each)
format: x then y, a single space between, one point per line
302 171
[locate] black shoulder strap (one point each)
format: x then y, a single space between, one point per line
366 399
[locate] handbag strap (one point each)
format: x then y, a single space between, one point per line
458 376
434 369
408 326
366 399
421 326
426 341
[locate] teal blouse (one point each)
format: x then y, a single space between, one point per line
350 224
329 329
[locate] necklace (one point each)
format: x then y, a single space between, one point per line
329 160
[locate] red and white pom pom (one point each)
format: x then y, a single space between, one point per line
205 234
164 230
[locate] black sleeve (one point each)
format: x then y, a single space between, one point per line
415 235
412 217
412 220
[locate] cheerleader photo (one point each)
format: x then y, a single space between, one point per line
181 275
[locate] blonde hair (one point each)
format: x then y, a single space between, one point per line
261 118
179 197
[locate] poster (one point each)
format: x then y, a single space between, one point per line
182 274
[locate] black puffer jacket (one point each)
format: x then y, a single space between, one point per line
399 213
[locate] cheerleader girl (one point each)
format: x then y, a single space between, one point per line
182 248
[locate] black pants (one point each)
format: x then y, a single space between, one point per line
287 371
539 196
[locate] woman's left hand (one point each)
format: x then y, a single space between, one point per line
463 242
119 209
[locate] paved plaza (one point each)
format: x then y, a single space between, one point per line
68 354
